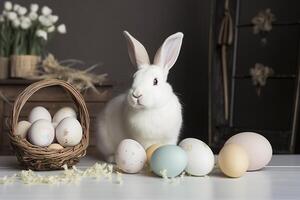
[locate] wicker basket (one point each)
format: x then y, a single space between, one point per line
40 158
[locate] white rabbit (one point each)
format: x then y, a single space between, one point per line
149 112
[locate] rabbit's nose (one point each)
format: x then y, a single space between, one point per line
136 95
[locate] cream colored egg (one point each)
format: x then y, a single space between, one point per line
233 160
64 113
150 151
41 133
55 146
130 156
257 147
37 113
69 132
22 128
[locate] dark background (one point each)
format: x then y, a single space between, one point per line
275 112
94 35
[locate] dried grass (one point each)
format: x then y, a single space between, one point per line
81 79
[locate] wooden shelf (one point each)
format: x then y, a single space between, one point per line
20 81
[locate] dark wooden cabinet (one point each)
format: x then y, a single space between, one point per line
51 98
271 110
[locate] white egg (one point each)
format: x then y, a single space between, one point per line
130 156
41 133
22 128
37 113
68 132
64 113
54 124
200 157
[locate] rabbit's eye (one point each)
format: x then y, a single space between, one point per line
155 81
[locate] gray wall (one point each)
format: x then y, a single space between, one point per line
95 35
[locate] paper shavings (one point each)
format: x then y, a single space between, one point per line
8 180
174 180
68 176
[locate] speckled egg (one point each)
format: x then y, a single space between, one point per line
41 133
37 113
130 156
258 148
168 160
200 157
68 132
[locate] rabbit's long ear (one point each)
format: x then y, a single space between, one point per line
137 52
167 54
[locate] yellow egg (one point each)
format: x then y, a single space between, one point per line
233 160
150 151
55 146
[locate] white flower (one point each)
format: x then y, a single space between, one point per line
2 18
12 16
45 21
42 34
8 5
53 18
34 7
33 16
51 29
25 23
46 11
16 7
16 23
5 13
22 11
62 29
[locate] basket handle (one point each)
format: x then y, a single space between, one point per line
33 88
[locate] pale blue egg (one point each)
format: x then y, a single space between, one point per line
169 159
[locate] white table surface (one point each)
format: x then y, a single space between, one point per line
279 180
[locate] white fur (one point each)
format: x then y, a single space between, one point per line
147 113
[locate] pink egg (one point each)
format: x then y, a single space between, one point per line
258 148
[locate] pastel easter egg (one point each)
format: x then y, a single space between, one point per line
22 129
68 132
200 157
130 156
150 150
258 148
168 160
63 113
41 133
37 113
233 160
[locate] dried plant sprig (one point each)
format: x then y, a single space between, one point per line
260 74
262 22
81 79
